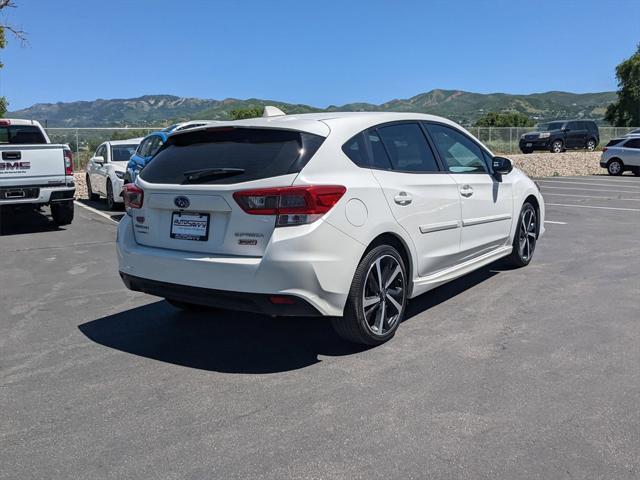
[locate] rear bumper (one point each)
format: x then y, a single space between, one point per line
246 302
301 262
26 194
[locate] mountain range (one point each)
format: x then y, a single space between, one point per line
460 106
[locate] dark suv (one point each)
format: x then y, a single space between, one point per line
560 135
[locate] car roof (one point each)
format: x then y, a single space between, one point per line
130 141
325 122
20 122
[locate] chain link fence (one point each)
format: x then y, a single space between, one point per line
85 141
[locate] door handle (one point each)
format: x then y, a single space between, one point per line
466 191
403 198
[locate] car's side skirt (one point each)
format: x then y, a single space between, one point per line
424 284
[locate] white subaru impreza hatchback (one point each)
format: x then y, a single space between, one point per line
347 215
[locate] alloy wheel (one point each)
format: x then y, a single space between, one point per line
557 146
527 234
615 168
383 296
591 145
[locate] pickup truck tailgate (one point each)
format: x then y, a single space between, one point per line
28 164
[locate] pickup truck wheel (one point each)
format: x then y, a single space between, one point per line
90 194
62 212
111 203
557 146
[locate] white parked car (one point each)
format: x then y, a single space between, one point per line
346 215
621 155
106 170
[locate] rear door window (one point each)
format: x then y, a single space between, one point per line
21 135
407 148
231 155
633 143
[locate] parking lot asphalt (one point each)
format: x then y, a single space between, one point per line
528 373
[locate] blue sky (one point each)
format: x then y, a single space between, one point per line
314 52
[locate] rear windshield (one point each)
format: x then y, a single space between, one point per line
21 135
122 153
615 141
231 155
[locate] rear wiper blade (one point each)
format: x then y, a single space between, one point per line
192 176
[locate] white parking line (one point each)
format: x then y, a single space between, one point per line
635 187
97 212
596 178
593 196
592 206
591 189
555 223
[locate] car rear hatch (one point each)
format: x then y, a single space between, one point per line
188 189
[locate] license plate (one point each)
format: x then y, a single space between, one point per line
190 226
529 144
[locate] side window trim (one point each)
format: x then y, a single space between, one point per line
442 162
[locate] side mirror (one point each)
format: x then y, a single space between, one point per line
502 166
99 160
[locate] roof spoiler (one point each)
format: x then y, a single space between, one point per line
271 111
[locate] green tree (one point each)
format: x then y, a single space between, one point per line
242 113
17 33
626 111
504 119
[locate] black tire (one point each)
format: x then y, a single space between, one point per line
522 254
62 212
90 194
615 167
591 145
186 306
557 146
355 326
111 203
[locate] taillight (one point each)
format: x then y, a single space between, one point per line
133 196
604 149
68 162
291 205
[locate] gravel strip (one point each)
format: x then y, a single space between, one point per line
81 185
559 164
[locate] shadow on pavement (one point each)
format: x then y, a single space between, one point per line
19 221
101 205
236 342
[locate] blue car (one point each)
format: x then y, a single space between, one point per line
151 144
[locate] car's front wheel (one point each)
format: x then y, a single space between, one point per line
615 167
524 241
111 203
377 299
557 146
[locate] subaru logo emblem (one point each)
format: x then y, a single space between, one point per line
181 202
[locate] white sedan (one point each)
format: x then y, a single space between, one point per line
106 170
345 215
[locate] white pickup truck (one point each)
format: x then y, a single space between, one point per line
33 171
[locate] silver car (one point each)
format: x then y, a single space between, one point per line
622 154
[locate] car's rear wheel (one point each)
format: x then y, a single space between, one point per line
62 212
615 167
591 145
90 194
377 299
524 241
557 146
